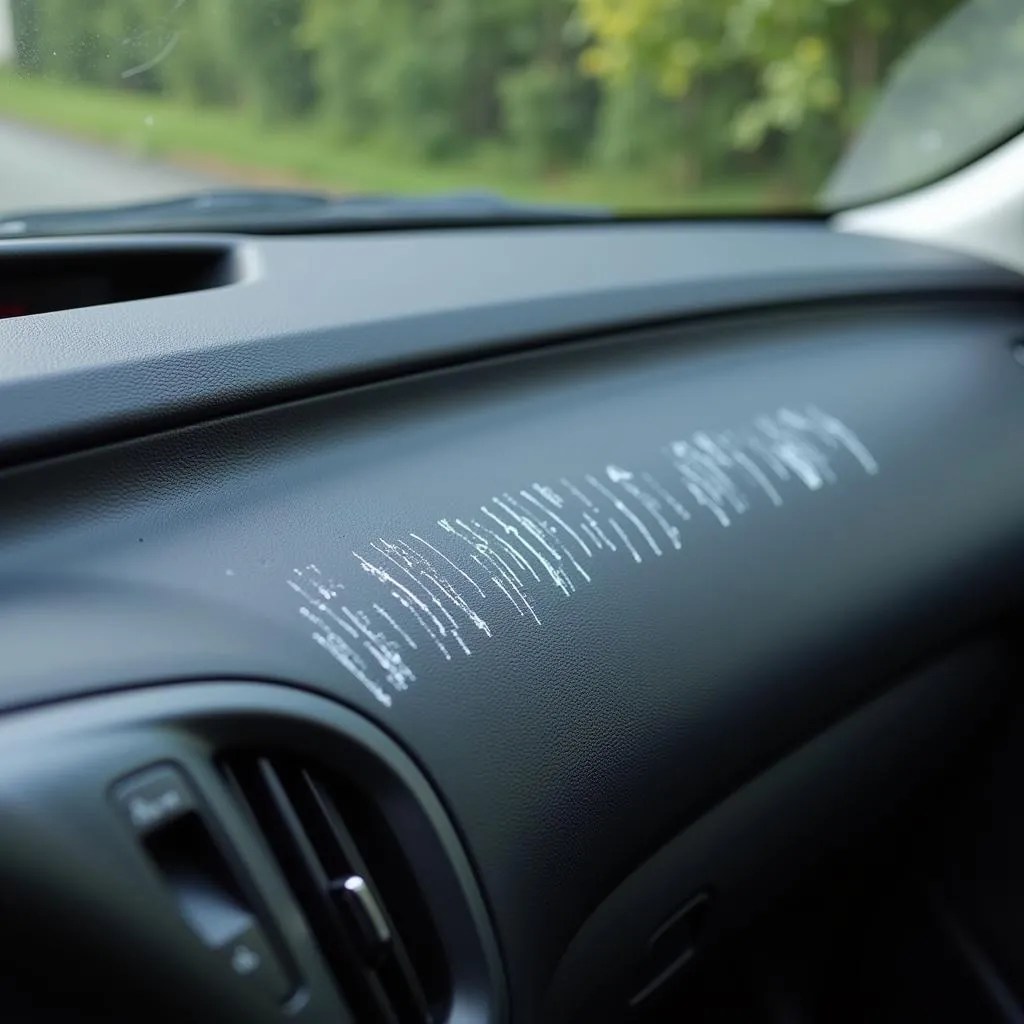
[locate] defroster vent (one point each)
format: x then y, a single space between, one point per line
354 881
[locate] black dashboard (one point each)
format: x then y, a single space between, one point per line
479 625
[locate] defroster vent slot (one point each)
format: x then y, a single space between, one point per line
354 882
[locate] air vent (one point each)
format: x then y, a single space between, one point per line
354 881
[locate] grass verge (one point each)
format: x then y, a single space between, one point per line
234 147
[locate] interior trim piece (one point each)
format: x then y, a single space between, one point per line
976 211
90 745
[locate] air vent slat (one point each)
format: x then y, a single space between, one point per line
289 822
404 981
349 872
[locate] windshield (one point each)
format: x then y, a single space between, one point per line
630 106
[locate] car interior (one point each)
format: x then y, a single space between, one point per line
571 621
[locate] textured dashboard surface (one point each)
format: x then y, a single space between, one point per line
592 590
310 313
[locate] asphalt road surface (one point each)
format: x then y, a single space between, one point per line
40 170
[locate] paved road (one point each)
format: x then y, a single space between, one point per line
41 170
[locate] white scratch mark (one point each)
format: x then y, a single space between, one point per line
578 494
152 62
516 557
846 437
602 537
541 518
538 532
529 607
515 553
529 523
469 579
386 552
389 551
626 511
506 571
695 486
509 574
708 463
759 446
384 651
585 527
550 495
745 462
385 577
798 454
706 481
322 606
395 626
426 568
624 478
557 576
669 499
484 550
625 540
423 624
340 650
326 591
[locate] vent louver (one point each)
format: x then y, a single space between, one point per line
354 882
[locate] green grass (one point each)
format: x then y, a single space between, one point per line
233 145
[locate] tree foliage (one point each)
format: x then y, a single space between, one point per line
698 87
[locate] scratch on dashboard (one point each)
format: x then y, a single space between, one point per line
625 479
591 527
385 577
796 452
395 626
561 523
589 531
601 535
555 499
518 559
579 495
514 553
345 655
734 449
622 507
706 480
544 519
314 578
557 574
469 579
506 580
834 431
438 578
398 557
422 624
536 540
672 502
614 524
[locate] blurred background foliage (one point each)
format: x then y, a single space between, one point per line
699 90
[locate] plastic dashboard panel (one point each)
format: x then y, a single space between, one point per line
306 314
592 589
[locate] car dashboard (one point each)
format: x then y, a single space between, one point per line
484 624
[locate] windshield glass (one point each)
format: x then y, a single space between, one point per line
675 106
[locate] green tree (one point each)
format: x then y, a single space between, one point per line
272 70
545 114
811 67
